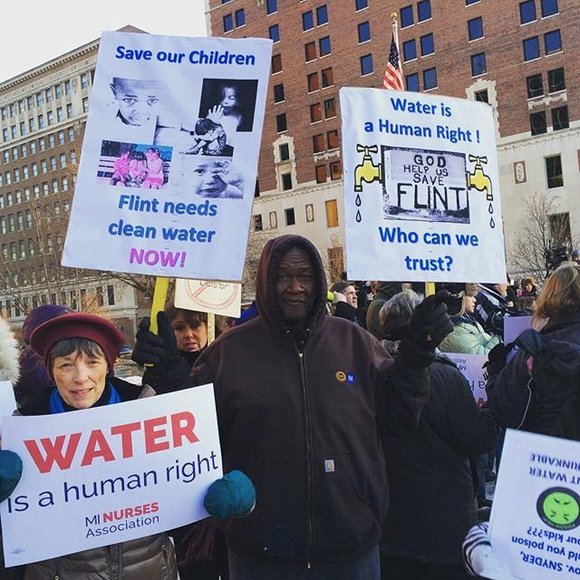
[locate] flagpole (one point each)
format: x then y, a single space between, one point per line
395 27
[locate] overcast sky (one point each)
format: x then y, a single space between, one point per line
37 31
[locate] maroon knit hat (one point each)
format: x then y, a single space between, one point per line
78 325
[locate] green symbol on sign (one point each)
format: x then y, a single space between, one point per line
559 508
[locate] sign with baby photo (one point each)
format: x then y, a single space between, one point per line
421 187
168 168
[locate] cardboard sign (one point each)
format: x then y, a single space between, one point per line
421 188
109 474
168 168
535 518
209 296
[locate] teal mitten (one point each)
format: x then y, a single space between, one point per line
232 496
10 472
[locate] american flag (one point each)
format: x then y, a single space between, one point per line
393 75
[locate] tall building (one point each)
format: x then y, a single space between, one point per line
42 118
518 56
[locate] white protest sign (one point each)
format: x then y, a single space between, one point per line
168 168
223 298
109 474
7 400
513 326
535 516
471 367
421 188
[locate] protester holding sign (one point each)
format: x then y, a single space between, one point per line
79 351
422 538
301 412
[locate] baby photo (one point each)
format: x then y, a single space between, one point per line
213 177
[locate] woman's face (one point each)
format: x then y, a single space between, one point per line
470 303
80 378
229 98
189 338
207 179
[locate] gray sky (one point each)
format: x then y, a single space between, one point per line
37 31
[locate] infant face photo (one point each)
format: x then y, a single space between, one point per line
214 178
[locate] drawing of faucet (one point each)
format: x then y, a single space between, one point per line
478 179
367 170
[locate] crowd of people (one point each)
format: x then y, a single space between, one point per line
352 446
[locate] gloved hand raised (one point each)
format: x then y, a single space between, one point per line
428 326
158 350
10 472
232 496
478 555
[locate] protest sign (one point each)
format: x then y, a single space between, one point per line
209 296
535 516
513 326
168 167
471 367
109 474
421 188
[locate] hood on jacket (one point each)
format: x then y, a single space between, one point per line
266 292
9 351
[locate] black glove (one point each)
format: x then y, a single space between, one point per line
156 350
428 326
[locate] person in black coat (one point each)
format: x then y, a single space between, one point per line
432 493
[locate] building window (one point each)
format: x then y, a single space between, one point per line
423 10
556 80
535 86
332 138
412 82
315 112
321 15
312 79
228 23
478 65
274 33
281 124
409 50
110 295
258 227
364 31
468 2
560 118
324 46
240 17
286 182
284 152
331 213
327 77
276 63
329 109
554 171
552 42
427 44
366 64
320 174
307 20
406 16
531 48
538 123
318 143
360 4
271 6
279 93
475 28
527 11
429 78
310 51
336 170
549 7
273 220
84 81
289 216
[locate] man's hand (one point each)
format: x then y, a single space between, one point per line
232 496
157 350
10 472
428 326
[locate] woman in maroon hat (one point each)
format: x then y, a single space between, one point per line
79 351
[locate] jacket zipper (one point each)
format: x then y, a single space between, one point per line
309 476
